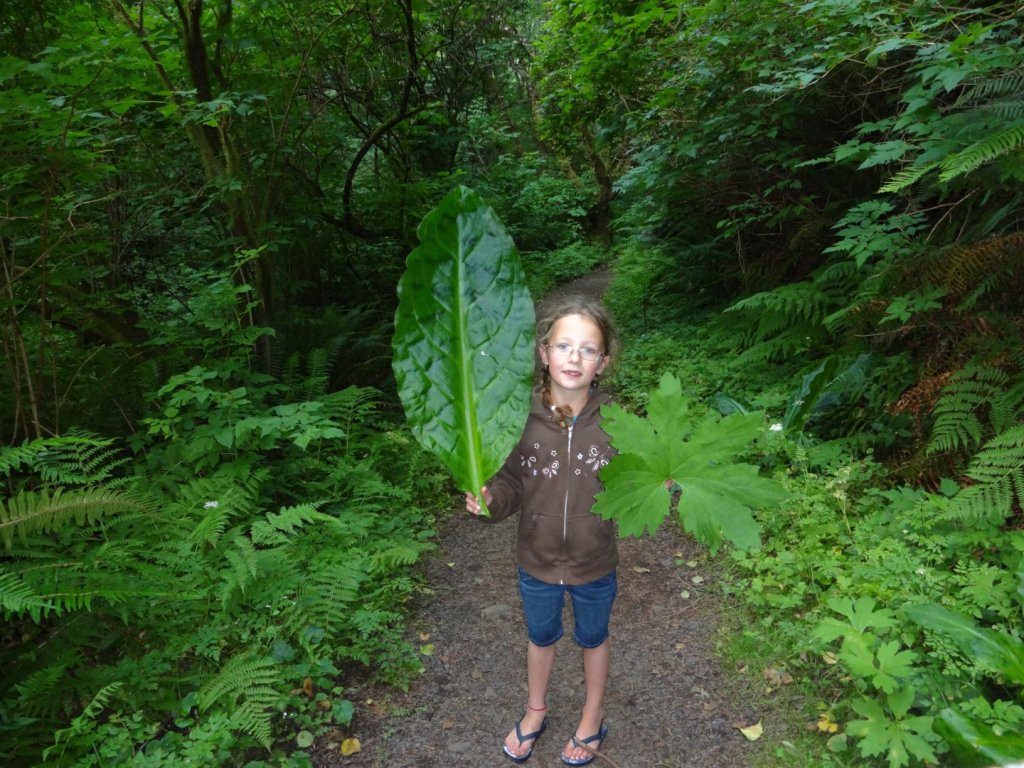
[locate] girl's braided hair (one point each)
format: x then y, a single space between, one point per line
594 311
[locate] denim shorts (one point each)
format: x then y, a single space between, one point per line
591 608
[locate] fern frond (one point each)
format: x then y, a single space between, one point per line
36 692
908 176
366 623
251 686
985 151
77 458
241 673
331 592
397 555
17 597
81 458
244 561
87 718
976 391
837 273
254 718
278 527
795 302
987 89
41 512
960 269
218 502
998 472
1007 111
793 342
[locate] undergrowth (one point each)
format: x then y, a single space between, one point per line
853 623
208 592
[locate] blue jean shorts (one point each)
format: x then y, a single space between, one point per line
591 608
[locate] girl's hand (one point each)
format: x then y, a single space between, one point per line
473 503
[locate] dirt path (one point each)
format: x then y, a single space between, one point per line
668 703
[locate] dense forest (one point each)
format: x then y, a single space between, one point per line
213 507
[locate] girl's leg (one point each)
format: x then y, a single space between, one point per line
539 663
596 662
542 607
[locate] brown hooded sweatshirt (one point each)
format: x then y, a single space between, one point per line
550 478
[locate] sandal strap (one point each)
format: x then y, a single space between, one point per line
519 732
599 736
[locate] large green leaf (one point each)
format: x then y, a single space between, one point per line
999 653
975 744
463 343
669 447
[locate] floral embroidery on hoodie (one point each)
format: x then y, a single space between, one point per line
595 459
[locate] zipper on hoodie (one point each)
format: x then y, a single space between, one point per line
565 503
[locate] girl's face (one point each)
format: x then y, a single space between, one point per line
572 340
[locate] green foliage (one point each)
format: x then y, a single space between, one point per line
463 344
975 392
789 320
899 738
972 740
998 474
545 269
203 593
672 448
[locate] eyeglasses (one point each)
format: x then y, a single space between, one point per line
565 350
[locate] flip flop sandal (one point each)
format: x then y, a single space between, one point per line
599 736
521 738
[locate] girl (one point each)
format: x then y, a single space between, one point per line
562 547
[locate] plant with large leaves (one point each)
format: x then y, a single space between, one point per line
671 449
972 741
463 342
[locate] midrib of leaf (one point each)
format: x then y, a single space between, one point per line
468 410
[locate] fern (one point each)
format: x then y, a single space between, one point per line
786 305
219 501
36 692
1007 111
41 512
397 555
332 590
243 559
962 269
278 527
86 719
993 88
1003 142
908 177
786 345
252 687
976 390
998 472
17 597
78 458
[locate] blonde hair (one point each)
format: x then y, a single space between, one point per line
592 310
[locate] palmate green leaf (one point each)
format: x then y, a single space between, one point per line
901 738
463 341
671 448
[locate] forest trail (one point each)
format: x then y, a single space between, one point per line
669 704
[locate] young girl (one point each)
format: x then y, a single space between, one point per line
562 547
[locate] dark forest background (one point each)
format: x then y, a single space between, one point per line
212 506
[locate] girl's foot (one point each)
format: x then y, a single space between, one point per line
576 752
529 729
